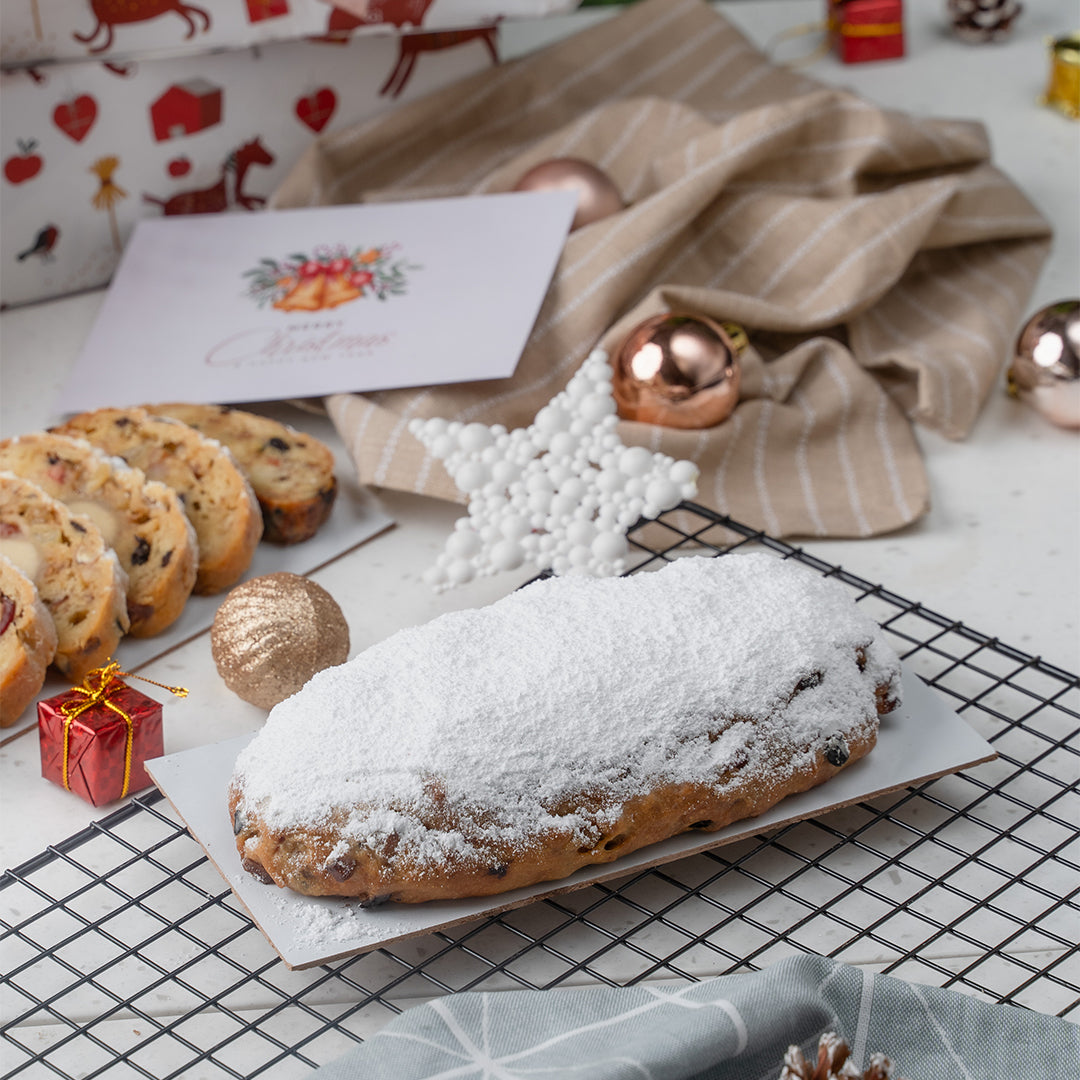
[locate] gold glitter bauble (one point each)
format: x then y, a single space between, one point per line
679 371
597 195
271 634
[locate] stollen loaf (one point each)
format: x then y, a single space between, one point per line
568 724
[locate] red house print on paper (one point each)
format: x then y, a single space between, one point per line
186 108
258 10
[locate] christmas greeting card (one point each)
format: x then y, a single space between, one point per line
297 303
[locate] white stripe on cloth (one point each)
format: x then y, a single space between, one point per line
866 1002
538 102
844 453
802 466
881 429
811 242
974 301
649 1006
742 1036
721 60
945 1041
947 188
907 294
761 485
942 370
748 249
632 191
720 501
963 259
390 447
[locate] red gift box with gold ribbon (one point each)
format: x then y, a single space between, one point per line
864 30
95 737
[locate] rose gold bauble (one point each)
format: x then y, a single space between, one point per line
679 371
272 633
1046 368
597 196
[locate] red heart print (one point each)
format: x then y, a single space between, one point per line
76 117
316 109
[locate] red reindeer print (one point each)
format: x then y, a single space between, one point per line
410 46
252 153
113 13
342 23
215 199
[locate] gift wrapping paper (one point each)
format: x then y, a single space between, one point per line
170 120
35 31
97 742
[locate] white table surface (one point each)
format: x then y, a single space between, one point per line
998 550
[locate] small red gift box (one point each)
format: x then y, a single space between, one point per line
866 29
95 737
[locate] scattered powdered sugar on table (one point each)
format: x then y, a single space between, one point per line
323 924
507 715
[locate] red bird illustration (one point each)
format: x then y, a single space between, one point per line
42 245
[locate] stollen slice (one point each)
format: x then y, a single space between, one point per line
27 642
77 574
142 520
291 472
216 496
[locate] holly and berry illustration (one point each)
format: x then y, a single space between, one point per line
331 276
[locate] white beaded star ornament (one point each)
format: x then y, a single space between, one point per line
559 494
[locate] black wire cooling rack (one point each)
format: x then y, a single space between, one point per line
125 955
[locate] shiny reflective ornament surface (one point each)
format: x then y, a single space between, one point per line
598 197
679 371
1046 368
272 633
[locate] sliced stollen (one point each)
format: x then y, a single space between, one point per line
77 574
27 642
142 520
216 496
292 473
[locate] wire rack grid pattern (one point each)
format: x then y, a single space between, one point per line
125 955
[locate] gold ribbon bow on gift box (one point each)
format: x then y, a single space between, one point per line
97 687
834 24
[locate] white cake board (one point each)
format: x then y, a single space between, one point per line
921 740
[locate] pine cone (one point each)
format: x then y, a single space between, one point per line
983 20
833 1063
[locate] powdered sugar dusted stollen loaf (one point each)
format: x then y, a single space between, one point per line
27 642
292 473
140 519
215 494
570 723
77 574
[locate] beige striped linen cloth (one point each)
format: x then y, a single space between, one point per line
879 262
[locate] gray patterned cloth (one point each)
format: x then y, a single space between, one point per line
736 1027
